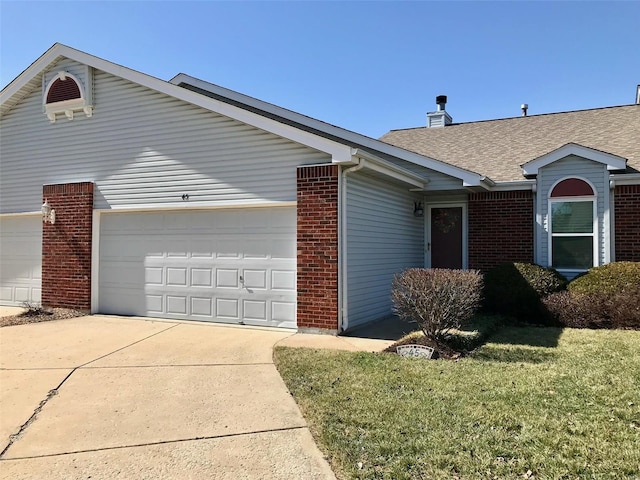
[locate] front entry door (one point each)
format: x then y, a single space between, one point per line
445 244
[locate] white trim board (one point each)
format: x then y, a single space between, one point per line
613 162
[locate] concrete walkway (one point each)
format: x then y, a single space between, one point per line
114 398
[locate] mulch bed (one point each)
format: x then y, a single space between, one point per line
40 315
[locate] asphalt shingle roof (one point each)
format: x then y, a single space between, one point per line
497 148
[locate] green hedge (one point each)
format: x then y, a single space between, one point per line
610 279
604 297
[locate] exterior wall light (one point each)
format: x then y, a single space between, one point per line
418 210
48 213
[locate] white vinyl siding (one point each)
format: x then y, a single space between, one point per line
20 259
383 238
144 149
573 167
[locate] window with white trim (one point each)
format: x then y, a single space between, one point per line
573 226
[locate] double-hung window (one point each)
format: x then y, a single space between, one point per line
573 226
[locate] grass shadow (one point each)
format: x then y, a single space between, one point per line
490 353
509 291
547 337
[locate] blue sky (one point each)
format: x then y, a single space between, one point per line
365 66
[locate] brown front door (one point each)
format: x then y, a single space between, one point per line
446 237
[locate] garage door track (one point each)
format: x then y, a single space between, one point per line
109 397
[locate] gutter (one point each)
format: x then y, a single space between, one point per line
377 164
342 240
624 179
513 185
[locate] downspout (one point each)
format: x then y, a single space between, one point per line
342 253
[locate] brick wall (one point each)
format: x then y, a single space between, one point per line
66 246
500 228
318 247
627 222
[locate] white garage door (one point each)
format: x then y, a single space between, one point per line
235 266
20 259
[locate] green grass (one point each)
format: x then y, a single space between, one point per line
533 403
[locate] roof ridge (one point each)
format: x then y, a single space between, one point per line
455 124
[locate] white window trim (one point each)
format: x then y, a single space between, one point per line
594 234
465 235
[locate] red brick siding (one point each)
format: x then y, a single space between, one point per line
318 247
627 222
500 228
66 246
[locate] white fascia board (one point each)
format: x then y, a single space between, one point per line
613 162
468 177
339 152
389 169
31 71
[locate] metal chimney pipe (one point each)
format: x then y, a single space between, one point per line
441 101
524 108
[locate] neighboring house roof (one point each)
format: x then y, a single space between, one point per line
498 148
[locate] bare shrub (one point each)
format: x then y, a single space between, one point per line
34 309
439 300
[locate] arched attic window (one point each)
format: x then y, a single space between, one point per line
65 94
573 242
62 90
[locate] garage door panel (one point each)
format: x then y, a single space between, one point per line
225 265
227 278
120 300
154 304
202 307
227 308
255 279
202 277
283 312
20 259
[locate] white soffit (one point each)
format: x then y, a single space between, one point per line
613 162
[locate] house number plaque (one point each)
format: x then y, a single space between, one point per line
414 351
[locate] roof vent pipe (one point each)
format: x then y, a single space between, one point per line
440 117
524 108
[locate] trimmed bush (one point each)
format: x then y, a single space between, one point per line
596 310
438 300
604 297
609 279
515 290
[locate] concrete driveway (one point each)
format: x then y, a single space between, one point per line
107 397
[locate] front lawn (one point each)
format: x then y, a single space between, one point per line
533 403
